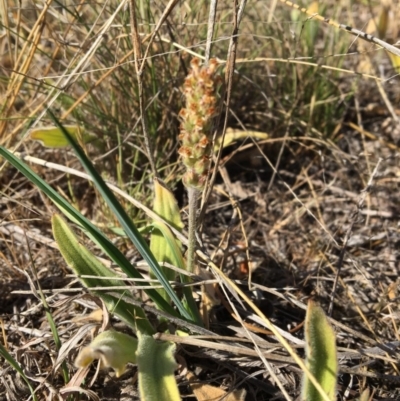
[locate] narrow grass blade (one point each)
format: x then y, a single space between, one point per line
164 245
82 262
123 218
175 258
321 354
49 316
90 229
4 353
54 331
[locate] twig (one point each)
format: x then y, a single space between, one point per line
139 78
363 35
228 83
357 212
210 29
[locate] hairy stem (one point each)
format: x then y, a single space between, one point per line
193 203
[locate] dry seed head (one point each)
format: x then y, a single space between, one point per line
196 122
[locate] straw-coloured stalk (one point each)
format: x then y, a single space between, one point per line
196 137
365 396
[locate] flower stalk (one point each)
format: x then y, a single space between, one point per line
196 138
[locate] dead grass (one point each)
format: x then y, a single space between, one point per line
298 192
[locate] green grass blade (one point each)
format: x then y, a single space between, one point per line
91 230
125 221
4 353
54 331
49 316
176 259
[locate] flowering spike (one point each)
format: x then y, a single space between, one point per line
195 131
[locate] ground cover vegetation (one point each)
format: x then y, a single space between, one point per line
203 254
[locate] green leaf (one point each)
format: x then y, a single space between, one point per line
320 353
89 228
82 262
163 244
166 206
156 366
168 244
125 221
114 349
52 137
155 361
165 249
